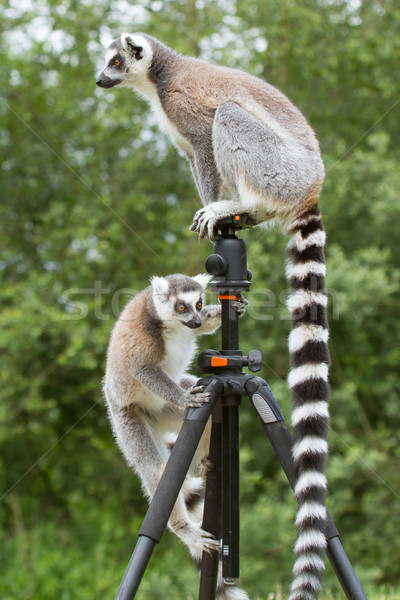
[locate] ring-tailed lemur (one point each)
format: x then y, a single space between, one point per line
244 136
146 388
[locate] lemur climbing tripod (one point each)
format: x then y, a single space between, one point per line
227 383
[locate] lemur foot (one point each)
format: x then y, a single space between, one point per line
205 222
195 537
201 467
196 396
206 465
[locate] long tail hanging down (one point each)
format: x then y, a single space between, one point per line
308 383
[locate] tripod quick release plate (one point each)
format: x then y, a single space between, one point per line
235 222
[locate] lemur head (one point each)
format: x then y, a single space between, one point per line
178 299
128 60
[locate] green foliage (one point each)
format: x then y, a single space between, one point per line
95 200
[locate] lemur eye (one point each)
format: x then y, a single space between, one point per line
199 305
181 307
117 62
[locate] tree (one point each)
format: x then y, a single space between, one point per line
96 201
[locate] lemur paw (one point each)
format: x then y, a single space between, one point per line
240 304
196 538
196 396
204 222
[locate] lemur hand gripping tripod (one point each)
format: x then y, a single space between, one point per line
227 383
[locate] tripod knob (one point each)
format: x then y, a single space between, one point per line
254 361
216 265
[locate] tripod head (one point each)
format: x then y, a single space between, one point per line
228 264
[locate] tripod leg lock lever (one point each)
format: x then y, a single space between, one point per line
263 400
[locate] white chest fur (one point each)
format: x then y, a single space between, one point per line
180 348
149 91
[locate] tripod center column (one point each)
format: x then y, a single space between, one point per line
228 265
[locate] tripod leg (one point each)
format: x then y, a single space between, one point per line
343 569
281 440
212 510
230 493
167 492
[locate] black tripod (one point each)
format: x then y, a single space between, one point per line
226 384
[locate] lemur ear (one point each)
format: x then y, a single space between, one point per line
130 46
203 279
160 288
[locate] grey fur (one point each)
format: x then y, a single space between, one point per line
240 133
243 136
246 148
146 389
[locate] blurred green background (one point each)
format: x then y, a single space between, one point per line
95 200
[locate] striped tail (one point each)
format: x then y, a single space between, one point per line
308 383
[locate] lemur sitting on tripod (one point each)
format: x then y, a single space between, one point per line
147 390
243 135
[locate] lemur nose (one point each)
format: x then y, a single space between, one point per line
99 81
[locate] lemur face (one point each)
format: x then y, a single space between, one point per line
187 309
127 60
178 299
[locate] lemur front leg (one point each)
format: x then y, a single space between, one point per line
205 172
209 185
157 381
211 314
210 318
253 163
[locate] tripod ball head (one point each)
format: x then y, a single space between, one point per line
228 265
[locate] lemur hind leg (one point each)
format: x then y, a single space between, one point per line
200 463
147 454
270 172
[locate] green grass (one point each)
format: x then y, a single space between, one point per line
65 563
